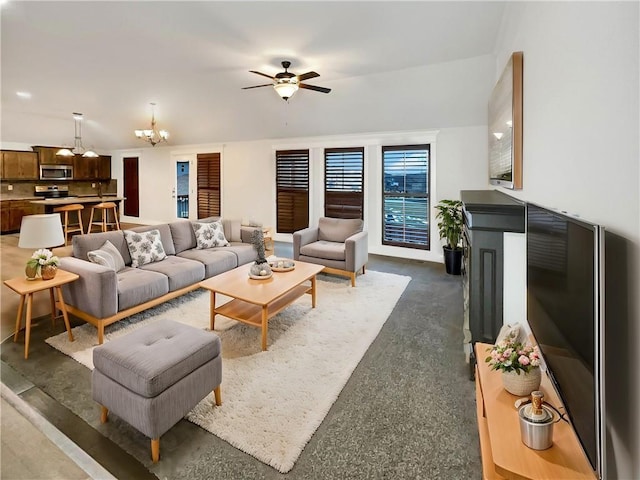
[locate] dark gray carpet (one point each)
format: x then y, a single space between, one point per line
408 411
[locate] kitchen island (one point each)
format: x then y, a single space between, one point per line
86 201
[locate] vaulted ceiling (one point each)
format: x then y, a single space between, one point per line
109 60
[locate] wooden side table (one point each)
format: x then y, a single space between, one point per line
26 288
268 241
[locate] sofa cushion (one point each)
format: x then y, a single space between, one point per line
165 235
245 252
209 235
183 235
232 230
215 261
83 244
136 286
181 272
338 229
144 247
154 357
107 256
324 249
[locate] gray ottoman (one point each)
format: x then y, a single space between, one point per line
153 376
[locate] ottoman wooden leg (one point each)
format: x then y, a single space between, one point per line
155 449
104 414
216 393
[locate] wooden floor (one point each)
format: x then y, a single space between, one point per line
12 262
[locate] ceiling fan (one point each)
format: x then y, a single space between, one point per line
287 83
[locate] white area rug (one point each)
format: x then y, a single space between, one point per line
273 401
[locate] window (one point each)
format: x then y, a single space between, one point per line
344 182
292 190
208 179
405 203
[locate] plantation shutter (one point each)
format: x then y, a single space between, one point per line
292 189
344 182
405 202
208 180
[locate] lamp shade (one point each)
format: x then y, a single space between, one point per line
285 89
41 231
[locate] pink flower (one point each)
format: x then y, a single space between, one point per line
523 360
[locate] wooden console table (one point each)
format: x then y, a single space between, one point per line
504 456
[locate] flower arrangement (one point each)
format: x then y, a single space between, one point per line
43 257
509 356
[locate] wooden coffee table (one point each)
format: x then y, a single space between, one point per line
256 301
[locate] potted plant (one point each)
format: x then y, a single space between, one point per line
450 228
520 366
42 264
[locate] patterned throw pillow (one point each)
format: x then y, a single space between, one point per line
144 247
107 256
209 235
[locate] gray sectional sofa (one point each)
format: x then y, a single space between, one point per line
105 294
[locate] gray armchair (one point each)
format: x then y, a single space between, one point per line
339 244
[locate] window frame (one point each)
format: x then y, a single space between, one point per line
292 189
344 202
426 245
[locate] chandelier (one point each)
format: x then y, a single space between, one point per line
153 136
78 148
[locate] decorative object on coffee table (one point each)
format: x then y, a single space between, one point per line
520 365
282 264
261 268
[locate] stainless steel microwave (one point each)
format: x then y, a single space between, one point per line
56 172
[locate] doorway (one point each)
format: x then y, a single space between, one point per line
130 187
182 189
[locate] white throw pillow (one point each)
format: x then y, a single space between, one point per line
209 235
144 247
107 256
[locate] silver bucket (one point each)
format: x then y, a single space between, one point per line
537 435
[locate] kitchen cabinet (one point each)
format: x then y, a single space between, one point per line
12 211
18 165
104 167
47 156
92 168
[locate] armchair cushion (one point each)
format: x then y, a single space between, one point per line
324 249
338 229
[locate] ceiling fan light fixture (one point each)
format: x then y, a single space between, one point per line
286 89
153 136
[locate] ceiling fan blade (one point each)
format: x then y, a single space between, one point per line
313 87
307 76
258 86
260 73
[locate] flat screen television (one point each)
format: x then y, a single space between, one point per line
565 305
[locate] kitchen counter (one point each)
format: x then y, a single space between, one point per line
56 202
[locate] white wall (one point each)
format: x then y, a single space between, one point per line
581 155
458 161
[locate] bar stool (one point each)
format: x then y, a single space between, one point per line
71 227
104 224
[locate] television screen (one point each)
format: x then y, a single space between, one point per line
563 310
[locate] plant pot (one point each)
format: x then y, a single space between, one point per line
48 272
521 385
32 271
453 260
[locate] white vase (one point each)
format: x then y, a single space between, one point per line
521 385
